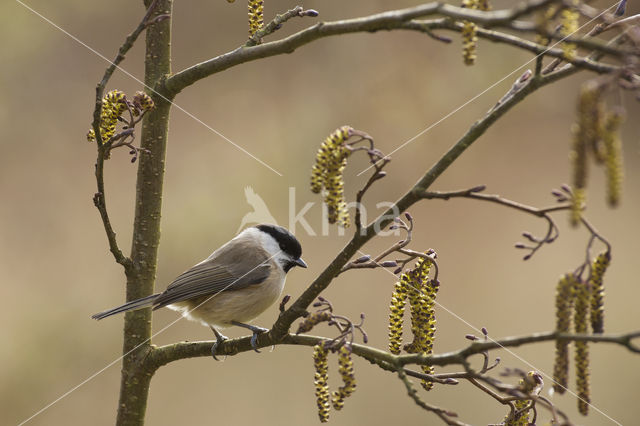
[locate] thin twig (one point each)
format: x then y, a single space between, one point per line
474 193
444 415
394 19
277 22
99 199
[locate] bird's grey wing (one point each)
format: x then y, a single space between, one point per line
210 277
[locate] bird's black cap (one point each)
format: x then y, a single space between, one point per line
288 243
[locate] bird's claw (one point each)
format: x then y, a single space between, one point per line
256 331
214 348
219 339
254 338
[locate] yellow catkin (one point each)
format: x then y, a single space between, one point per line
327 175
522 416
431 289
321 365
469 35
256 22
613 156
419 302
114 104
599 267
470 31
578 157
421 295
581 309
564 308
568 27
415 287
586 131
543 19
345 368
578 200
396 314
590 119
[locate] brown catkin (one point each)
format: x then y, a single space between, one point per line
142 102
312 320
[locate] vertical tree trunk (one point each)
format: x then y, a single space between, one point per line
136 378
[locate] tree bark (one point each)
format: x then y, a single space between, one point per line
136 376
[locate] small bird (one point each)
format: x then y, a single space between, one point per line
234 285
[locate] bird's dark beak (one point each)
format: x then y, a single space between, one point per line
300 263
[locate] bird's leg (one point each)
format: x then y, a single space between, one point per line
255 329
219 339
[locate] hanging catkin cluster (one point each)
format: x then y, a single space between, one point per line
568 26
345 367
598 269
114 104
256 22
596 133
321 365
544 20
564 308
415 286
580 302
580 312
613 155
470 30
326 174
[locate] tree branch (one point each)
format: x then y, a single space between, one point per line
473 193
390 20
277 23
163 355
493 198
538 49
282 325
99 199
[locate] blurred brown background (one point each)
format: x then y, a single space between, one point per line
57 271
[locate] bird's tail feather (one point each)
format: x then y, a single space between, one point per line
145 302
